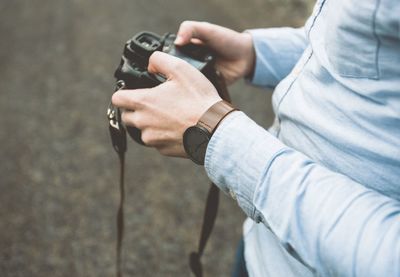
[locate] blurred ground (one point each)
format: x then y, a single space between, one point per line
58 172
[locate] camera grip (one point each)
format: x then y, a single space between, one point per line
135 134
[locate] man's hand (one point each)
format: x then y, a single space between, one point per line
235 52
163 113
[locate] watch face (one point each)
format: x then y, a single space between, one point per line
195 141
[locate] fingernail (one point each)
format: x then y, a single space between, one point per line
178 40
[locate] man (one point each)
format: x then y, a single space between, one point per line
322 186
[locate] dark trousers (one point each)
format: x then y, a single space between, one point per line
239 267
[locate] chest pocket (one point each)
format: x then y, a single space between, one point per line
351 42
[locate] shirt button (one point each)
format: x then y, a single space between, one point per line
232 194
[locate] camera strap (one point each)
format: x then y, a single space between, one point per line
119 142
120 213
210 214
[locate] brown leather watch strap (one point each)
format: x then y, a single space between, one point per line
214 115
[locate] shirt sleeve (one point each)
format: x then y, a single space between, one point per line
330 222
277 51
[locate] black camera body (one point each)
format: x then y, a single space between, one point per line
132 71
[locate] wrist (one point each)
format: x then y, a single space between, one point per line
196 138
249 54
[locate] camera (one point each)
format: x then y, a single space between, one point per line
132 73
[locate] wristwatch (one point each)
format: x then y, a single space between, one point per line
196 138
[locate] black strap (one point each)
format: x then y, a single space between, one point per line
120 215
118 139
210 215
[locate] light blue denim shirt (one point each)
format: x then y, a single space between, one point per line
322 186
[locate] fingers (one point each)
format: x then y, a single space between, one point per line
172 151
218 38
193 30
167 65
149 137
129 99
161 140
131 118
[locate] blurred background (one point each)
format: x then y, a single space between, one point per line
58 172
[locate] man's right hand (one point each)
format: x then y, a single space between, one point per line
235 52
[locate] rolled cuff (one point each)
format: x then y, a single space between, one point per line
238 155
277 51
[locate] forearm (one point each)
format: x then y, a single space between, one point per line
336 225
277 51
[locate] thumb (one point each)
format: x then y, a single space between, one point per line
167 65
